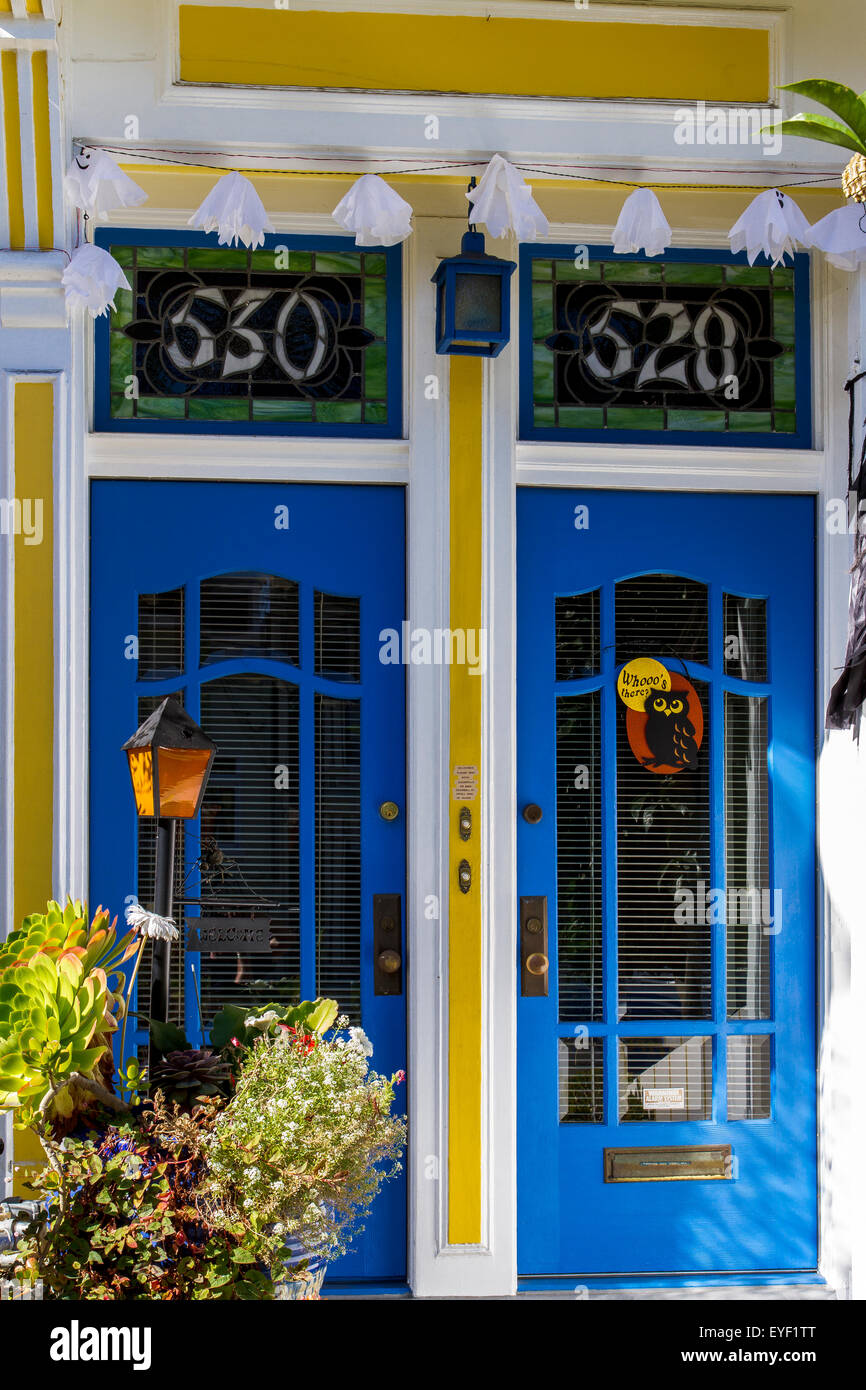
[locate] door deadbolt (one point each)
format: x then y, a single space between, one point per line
389 810
532 813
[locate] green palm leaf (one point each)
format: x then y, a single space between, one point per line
821 128
839 99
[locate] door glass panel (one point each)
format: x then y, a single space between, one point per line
579 856
338 852
250 811
578 640
661 615
749 1077
581 1080
663 863
160 635
665 1078
746 638
751 908
338 637
252 615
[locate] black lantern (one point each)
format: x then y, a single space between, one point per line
473 306
170 759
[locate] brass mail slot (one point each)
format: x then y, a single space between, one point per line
690 1162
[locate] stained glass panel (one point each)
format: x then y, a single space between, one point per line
669 345
276 339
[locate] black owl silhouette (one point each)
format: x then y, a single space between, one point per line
669 731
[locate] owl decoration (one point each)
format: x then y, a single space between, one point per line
665 729
668 730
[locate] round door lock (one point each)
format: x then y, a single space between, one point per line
537 964
389 962
389 810
532 814
533 924
387 924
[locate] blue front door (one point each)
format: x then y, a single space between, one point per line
260 607
666 977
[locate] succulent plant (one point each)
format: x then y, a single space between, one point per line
59 1006
187 1076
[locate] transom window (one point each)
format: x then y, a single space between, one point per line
300 337
698 345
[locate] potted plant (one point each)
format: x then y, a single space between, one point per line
234 1171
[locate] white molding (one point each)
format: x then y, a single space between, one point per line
675 15
428 599
265 457
31 295
689 468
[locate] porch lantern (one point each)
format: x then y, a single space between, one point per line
473 308
169 762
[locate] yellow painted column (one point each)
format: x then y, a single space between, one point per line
34 647
12 141
33 682
464 917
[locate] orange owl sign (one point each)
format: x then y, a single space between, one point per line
664 720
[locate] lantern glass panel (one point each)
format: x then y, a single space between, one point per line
477 303
182 772
141 772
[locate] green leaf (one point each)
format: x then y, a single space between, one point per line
228 1024
821 128
322 1016
838 98
243 1257
167 1037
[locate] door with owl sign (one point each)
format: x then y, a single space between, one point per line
666 880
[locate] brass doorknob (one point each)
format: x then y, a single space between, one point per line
389 962
537 963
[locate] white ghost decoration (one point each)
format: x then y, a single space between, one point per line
92 279
97 185
234 209
641 225
772 223
374 212
841 235
503 201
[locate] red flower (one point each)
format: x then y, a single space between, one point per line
401 1076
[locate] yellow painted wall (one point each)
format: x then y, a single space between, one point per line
472 54
33 689
464 914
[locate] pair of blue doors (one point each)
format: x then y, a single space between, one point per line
666 1044
666 976
260 607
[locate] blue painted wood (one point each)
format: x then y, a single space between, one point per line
766 1217
148 537
801 439
391 429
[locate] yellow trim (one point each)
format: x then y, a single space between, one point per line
42 147
464 915
472 54
34 653
12 134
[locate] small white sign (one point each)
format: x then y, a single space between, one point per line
664 1098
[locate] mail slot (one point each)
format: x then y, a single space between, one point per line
690 1162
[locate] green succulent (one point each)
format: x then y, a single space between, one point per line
190 1075
839 99
52 1025
65 932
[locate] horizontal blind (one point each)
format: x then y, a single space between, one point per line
579 856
